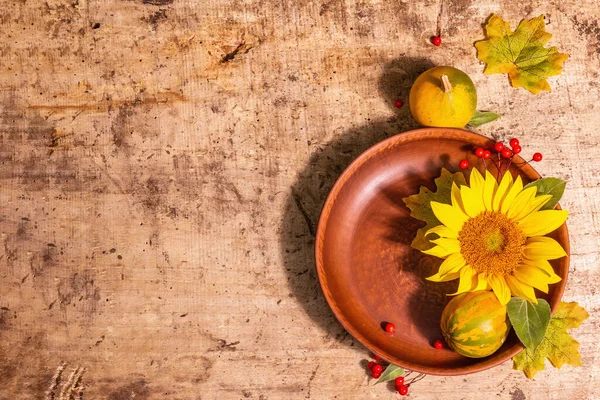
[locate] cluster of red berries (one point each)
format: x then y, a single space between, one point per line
375 367
503 153
376 370
401 388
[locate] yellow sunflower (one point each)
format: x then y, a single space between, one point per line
492 236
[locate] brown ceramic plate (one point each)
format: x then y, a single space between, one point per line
367 269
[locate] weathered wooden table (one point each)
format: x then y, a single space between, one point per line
163 167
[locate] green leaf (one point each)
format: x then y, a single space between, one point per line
529 320
558 346
420 205
552 186
390 373
483 117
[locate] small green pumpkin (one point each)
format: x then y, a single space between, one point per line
475 324
443 96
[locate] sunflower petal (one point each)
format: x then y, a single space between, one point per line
489 189
452 264
455 197
437 251
514 190
450 268
554 279
543 247
532 207
542 222
443 278
442 231
520 289
450 245
476 182
521 202
533 277
450 216
543 265
482 283
468 280
472 201
500 288
503 188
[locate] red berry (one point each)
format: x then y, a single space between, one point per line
436 40
390 328
479 152
487 154
499 146
371 364
537 157
399 381
403 390
377 369
506 153
464 164
376 357
517 149
398 103
376 375
514 142
438 344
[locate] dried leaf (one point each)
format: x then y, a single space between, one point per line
557 346
520 54
420 205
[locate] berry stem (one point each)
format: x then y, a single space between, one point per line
495 165
446 85
498 169
416 379
499 174
507 167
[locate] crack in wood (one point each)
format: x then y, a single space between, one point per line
231 55
309 223
312 377
439 18
157 2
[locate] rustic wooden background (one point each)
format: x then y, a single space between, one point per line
163 167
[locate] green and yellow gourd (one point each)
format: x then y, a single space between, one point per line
475 324
443 97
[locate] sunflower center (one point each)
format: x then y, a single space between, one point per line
495 241
492 243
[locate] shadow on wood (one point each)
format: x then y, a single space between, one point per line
314 182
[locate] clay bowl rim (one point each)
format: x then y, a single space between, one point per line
470 138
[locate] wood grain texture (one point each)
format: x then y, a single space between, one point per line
163 166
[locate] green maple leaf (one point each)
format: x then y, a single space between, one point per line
520 54
420 205
557 346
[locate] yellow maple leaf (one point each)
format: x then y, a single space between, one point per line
557 346
520 54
